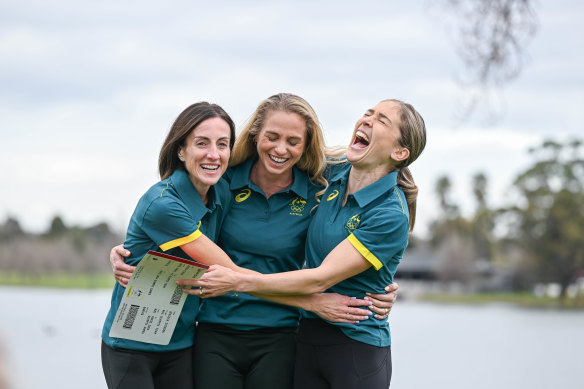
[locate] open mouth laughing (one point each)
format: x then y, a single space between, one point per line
210 168
361 140
279 161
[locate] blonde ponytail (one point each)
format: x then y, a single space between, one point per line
413 137
406 183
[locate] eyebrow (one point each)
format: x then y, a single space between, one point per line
207 138
275 133
386 118
371 112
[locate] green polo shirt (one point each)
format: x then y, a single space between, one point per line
376 221
170 214
263 234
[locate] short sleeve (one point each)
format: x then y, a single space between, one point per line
169 224
381 236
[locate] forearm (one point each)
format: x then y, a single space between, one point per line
289 284
332 307
343 261
206 251
298 301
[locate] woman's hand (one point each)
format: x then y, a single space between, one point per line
383 302
335 307
122 271
217 281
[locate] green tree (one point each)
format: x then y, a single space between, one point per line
482 223
549 222
450 238
58 228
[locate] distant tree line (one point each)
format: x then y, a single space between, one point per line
537 238
60 249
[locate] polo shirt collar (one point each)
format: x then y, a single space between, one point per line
187 192
242 172
378 188
370 192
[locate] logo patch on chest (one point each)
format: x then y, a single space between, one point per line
333 194
353 223
297 206
243 195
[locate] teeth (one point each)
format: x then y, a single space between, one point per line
279 160
362 135
210 167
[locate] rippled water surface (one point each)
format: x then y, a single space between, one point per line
51 340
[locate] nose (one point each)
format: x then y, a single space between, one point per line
213 152
368 120
281 147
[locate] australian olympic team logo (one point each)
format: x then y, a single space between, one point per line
243 195
297 206
333 194
353 223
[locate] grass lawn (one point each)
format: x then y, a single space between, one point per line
81 281
523 299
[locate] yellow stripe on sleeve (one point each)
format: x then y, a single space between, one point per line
180 241
369 256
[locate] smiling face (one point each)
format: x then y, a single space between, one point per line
280 143
375 143
206 153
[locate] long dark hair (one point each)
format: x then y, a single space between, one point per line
186 122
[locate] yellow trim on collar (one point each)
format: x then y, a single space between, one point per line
180 241
369 256
400 200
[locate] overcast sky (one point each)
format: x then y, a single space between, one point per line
88 90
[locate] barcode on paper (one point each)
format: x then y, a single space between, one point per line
175 299
129 322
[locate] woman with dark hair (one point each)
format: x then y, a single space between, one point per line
276 178
180 215
355 241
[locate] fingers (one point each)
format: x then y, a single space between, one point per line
121 251
122 279
193 292
122 274
381 305
378 301
353 315
118 254
360 314
204 293
123 269
190 283
392 287
354 302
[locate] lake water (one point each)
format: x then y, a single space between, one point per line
51 339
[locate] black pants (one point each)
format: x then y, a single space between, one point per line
328 359
233 359
146 370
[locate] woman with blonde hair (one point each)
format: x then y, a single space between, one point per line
276 174
356 240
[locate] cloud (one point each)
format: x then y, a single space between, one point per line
90 89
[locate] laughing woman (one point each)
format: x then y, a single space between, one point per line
355 242
243 341
180 215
